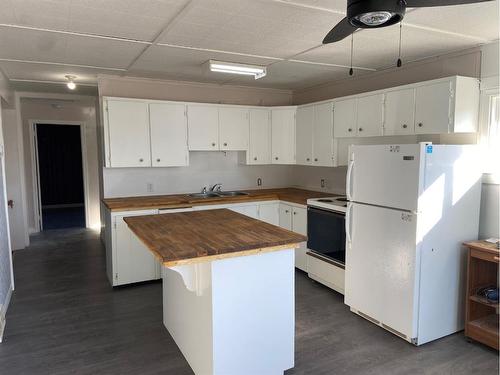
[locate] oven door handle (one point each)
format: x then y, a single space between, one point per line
348 215
348 179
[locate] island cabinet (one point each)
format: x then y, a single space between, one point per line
228 289
294 218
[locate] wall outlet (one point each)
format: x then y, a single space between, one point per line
150 187
259 181
323 183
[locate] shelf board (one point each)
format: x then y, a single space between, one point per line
488 324
484 301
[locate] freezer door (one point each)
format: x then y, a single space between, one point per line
384 175
381 258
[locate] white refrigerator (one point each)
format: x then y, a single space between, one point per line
410 208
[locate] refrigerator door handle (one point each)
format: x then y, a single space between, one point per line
348 222
348 179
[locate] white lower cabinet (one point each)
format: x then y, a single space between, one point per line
294 218
132 262
269 212
251 211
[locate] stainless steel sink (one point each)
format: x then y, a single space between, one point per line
231 193
204 195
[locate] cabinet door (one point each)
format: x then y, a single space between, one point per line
323 135
344 118
299 220
252 211
134 262
203 128
259 147
233 128
128 131
432 108
400 112
283 135
270 213
285 216
168 135
304 135
370 115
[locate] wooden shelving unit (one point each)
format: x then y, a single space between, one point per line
481 316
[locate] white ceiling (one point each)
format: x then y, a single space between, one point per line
43 40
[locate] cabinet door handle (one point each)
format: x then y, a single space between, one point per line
316 159
360 129
141 160
405 126
349 130
286 211
276 158
420 124
255 158
295 213
158 160
213 144
225 144
308 159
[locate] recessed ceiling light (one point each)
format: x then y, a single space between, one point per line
71 82
257 71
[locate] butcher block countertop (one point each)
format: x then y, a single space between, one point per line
198 236
292 195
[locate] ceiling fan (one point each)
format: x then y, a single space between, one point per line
368 14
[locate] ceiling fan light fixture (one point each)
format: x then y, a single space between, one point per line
374 19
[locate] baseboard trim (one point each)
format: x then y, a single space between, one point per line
3 312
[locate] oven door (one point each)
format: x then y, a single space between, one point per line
326 234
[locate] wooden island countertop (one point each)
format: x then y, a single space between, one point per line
293 195
199 236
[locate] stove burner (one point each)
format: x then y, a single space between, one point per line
326 200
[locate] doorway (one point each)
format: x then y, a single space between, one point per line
60 192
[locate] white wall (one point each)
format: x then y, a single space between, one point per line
6 275
205 169
18 232
72 110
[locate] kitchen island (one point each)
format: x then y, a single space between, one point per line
228 289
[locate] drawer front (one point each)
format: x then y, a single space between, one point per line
484 255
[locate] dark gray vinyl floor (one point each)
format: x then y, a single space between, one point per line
64 318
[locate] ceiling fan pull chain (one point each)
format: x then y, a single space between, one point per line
399 63
351 71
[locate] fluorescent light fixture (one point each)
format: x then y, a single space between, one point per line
234 68
71 82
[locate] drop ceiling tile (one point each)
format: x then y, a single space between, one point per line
177 63
263 28
478 20
70 49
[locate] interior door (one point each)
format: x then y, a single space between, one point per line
129 139
259 145
283 135
400 112
344 118
370 115
304 135
384 175
323 135
168 135
380 278
432 108
203 127
233 128
134 262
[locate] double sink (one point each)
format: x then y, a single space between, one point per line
218 194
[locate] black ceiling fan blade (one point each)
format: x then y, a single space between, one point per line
440 3
342 30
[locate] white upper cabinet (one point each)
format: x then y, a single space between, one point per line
344 118
400 112
323 135
432 108
128 132
370 115
259 144
304 135
203 127
168 135
233 128
283 135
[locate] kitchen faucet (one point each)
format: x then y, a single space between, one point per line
216 187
